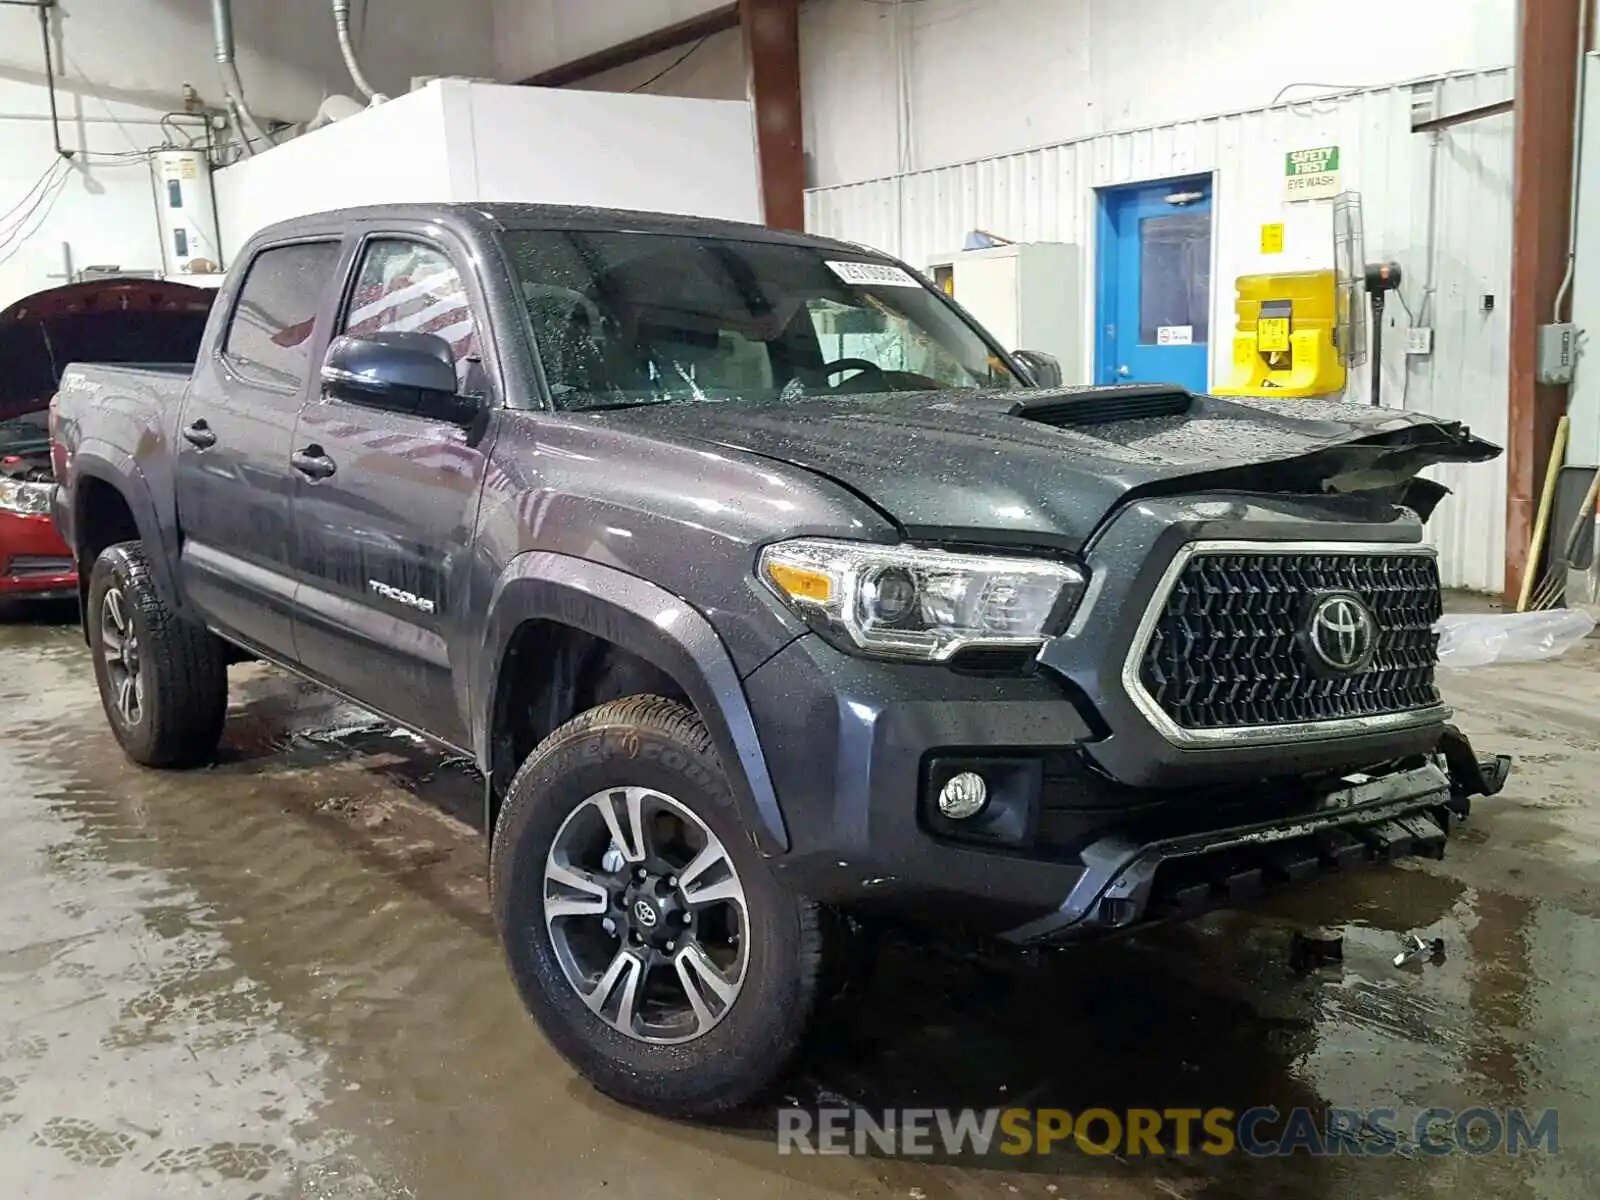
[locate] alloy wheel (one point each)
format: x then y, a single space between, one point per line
119 642
646 914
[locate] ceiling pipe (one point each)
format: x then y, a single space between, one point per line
244 120
236 123
341 22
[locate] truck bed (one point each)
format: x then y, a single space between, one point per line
134 411
102 370
91 383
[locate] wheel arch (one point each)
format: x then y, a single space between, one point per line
111 504
639 623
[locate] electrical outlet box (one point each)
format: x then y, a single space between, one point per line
1419 340
1558 351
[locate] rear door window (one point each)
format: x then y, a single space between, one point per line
269 334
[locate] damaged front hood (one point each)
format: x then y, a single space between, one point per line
1048 466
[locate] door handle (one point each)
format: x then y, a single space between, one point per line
312 463
1123 372
199 435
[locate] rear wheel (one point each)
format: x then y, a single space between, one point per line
646 935
163 680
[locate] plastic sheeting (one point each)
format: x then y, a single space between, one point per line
1483 639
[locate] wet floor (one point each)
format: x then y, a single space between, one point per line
276 978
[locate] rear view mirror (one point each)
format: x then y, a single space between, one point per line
407 372
1040 369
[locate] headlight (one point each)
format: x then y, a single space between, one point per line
28 499
900 602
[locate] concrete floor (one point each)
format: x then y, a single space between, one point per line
276 977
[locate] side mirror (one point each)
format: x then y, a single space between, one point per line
1043 370
408 372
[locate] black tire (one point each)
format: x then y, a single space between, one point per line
181 664
652 742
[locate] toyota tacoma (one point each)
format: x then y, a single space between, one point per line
771 596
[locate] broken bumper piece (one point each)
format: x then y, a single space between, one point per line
1145 876
1470 775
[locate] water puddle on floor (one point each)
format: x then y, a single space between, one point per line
277 977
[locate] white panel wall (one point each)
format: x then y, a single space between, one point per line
96 210
986 77
1049 195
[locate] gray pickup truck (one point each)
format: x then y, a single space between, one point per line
772 597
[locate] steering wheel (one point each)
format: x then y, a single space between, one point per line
852 364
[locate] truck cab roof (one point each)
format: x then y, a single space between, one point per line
498 216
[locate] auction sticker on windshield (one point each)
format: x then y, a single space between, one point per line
868 274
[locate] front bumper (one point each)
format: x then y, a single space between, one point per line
34 562
1181 866
849 746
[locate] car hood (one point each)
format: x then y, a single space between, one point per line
1048 466
20 436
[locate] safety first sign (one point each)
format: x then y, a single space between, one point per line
1311 174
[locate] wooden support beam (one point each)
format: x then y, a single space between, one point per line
772 57
718 20
1546 82
1450 120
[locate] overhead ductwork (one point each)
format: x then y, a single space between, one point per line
341 22
244 121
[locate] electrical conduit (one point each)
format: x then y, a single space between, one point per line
245 123
341 22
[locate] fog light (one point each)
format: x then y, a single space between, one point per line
964 796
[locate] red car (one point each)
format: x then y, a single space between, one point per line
108 320
34 561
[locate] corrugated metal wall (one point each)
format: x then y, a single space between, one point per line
1048 195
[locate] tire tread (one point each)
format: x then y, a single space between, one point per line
191 690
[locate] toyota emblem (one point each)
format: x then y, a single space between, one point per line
1342 633
645 913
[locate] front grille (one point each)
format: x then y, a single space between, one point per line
1227 650
39 564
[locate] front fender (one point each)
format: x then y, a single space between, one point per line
106 463
648 621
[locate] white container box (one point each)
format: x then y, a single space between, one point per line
459 140
1026 295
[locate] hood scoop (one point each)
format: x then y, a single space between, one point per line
1104 405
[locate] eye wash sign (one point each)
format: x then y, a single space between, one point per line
1311 174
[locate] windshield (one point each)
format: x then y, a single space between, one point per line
638 318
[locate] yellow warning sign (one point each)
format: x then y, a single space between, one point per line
1272 334
1272 239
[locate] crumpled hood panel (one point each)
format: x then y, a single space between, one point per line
963 465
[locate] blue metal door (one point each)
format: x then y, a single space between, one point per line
1153 295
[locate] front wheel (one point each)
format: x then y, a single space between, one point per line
647 937
163 680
